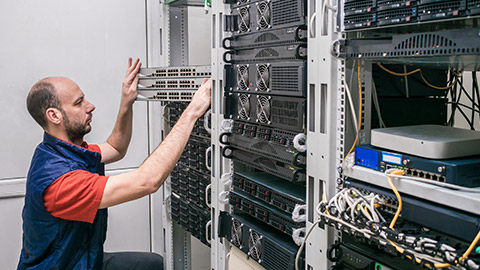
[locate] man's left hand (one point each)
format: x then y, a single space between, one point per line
129 85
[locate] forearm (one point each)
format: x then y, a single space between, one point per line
122 131
152 173
162 161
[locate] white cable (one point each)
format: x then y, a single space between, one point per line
296 235
296 142
296 216
352 108
227 125
377 105
433 182
223 197
297 258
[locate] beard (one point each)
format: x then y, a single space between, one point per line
75 130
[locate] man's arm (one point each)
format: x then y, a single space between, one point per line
116 145
152 173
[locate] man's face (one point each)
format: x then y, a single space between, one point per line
77 111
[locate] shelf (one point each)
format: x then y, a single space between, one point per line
456 48
183 3
467 201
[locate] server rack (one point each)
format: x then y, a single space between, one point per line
335 41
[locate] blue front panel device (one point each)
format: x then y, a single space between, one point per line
367 158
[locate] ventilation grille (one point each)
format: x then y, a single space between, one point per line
268 52
255 245
264 15
242 77
358 7
275 258
243 106
285 112
285 78
265 147
284 12
266 37
441 7
263 109
474 4
396 13
242 2
425 41
244 19
263 77
237 233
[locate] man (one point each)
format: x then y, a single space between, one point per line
65 215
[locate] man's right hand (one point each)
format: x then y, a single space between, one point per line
202 99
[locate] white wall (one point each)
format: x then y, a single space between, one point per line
88 41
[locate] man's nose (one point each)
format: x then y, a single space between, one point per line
90 107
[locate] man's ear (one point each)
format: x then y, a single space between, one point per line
54 116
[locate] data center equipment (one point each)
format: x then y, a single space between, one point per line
269 248
171 83
283 195
271 53
275 78
262 163
359 14
428 141
273 143
264 212
434 10
459 171
352 257
190 178
271 111
287 35
425 234
440 218
253 16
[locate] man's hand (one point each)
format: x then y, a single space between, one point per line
129 85
202 99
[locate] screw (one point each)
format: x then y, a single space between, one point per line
406 161
441 169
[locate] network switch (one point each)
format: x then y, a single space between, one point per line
275 78
460 171
175 72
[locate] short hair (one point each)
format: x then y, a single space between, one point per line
42 96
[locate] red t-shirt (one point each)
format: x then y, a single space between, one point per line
76 195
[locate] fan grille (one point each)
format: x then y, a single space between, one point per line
263 109
237 233
264 15
244 106
263 78
242 77
255 245
244 19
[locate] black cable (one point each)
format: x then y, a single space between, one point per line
463 105
455 99
476 89
466 118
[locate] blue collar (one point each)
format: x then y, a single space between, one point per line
71 151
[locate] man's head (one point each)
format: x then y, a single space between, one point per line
59 106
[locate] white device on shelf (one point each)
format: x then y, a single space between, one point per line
428 141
